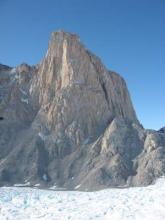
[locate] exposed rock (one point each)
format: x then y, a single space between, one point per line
162 130
151 162
24 68
4 68
70 122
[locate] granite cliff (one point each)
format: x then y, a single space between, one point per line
70 122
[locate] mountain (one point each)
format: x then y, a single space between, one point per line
70 122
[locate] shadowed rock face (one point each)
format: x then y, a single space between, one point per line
4 68
70 122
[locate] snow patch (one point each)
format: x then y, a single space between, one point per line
42 136
78 186
37 185
45 178
13 70
25 100
22 184
53 187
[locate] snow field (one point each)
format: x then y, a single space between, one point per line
139 203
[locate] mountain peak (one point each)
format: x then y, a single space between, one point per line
61 40
63 34
74 120
69 65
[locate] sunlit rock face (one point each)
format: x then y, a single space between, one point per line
69 121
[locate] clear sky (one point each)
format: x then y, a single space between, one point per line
128 35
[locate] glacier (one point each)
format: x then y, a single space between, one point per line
136 203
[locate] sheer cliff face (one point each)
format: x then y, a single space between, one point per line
75 93
69 121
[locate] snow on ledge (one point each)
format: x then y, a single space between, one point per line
78 186
22 184
25 100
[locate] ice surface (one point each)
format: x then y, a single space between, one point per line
140 203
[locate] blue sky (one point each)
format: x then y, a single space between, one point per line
128 35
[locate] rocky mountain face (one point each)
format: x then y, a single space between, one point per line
69 122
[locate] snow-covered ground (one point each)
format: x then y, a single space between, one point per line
141 203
